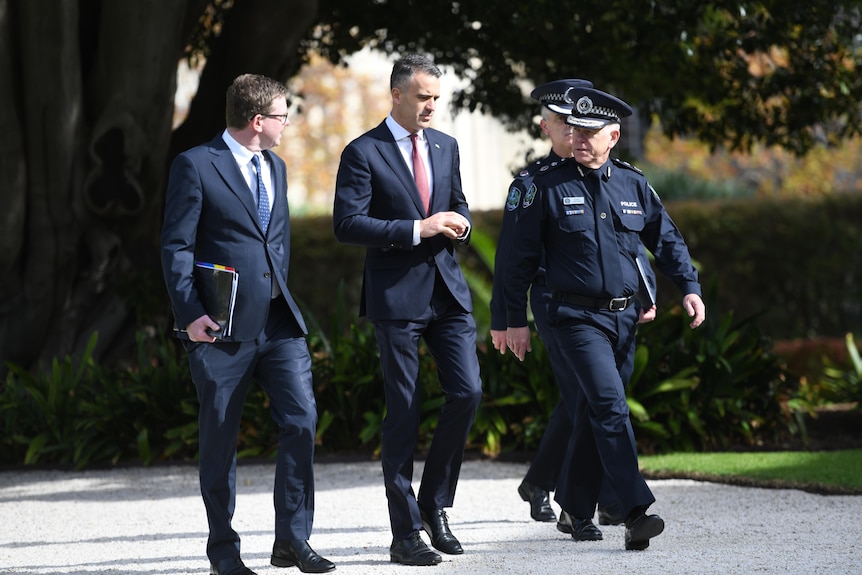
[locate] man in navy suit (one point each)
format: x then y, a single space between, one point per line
226 204
398 193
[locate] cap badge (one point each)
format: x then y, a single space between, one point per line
584 105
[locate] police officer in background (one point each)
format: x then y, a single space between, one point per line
544 469
587 218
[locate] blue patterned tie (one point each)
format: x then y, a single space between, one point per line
262 197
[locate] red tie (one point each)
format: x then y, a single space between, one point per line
421 176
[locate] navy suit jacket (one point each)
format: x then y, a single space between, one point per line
376 203
211 216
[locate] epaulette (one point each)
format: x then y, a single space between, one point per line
550 166
624 164
532 168
524 180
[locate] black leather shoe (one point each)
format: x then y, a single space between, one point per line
230 566
611 515
436 525
640 529
540 503
299 553
585 530
412 551
579 529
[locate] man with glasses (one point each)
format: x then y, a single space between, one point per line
226 209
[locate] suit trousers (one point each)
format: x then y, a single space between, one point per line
449 333
280 362
544 470
596 348
545 467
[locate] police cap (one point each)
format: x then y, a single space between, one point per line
552 95
593 109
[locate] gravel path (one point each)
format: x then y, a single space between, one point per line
151 521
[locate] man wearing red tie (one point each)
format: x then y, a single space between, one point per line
398 194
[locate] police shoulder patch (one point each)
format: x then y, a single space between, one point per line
628 166
513 199
530 196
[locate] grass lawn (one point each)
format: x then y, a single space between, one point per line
832 472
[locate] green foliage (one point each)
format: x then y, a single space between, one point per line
843 383
761 75
676 185
518 398
711 388
348 381
819 472
793 262
79 413
707 389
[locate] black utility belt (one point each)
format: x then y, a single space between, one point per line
613 304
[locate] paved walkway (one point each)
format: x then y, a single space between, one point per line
151 521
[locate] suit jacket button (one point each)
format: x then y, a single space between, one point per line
266 274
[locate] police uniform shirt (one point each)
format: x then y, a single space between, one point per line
517 190
556 216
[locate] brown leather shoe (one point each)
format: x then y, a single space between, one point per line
299 553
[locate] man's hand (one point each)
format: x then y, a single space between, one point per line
197 330
498 338
647 316
518 340
695 308
451 224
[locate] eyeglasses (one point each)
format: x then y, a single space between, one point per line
281 117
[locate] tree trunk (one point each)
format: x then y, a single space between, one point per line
86 144
89 130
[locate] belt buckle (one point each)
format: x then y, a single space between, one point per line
618 303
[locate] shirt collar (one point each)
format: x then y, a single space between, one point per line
241 154
398 131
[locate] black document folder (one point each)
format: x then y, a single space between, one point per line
646 288
216 285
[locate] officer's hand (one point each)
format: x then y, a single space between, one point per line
498 338
518 340
647 316
197 330
451 224
695 308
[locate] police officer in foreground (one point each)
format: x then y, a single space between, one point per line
587 217
544 469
